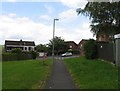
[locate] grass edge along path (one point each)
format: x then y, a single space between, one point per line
28 74
92 74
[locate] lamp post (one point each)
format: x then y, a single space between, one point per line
53 36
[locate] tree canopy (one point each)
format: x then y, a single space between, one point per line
59 45
104 16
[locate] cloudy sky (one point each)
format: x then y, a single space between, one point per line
33 20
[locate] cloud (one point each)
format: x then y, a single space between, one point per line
74 3
46 17
17 28
49 9
67 16
24 28
12 14
86 25
12 0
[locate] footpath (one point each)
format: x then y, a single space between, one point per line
60 77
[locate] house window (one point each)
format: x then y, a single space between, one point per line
29 48
81 45
70 46
25 48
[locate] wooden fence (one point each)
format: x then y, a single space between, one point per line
106 51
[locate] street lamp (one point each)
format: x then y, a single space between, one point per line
53 36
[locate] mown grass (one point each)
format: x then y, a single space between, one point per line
30 74
93 74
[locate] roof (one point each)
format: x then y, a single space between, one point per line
85 40
25 43
71 42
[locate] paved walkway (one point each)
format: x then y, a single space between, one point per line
60 77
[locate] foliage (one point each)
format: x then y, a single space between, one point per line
13 56
76 52
94 74
41 48
59 45
17 51
90 49
29 74
105 17
34 54
9 56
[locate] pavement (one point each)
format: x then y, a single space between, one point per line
60 77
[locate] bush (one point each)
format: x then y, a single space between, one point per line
76 52
33 54
9 57
17 51
15 56
90 49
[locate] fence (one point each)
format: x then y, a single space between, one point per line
106 51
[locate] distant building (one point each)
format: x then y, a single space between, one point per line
103 37
23 45
81 46
72 45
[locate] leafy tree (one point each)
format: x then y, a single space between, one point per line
59 45
105 17
41 48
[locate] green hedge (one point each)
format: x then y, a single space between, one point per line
15 56
90 49
9 56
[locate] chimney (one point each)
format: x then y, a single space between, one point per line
21 42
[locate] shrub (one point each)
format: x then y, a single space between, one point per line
76 52
16 50
90 49
33 54
9 56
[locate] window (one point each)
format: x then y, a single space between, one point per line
70 46
29 48
25 48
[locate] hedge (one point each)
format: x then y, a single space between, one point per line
90 49
15 56
9 56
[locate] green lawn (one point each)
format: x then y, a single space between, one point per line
93 74
30 74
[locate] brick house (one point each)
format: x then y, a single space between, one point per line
81 46
103 37
23 45
72 45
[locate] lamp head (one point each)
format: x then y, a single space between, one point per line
56 19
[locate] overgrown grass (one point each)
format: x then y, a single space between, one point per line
93 74
30 74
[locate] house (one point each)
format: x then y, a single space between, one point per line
23 45
103 37
72 45
81 46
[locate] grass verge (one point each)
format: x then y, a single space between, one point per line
30 74
93 74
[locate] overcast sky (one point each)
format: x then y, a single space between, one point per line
33 21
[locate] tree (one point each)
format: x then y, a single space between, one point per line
41 48
105 17
59 45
